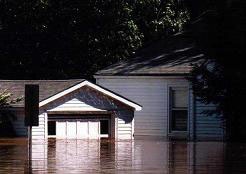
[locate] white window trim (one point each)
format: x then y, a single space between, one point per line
169 132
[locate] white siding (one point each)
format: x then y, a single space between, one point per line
38 132
124 130
152 94
75 105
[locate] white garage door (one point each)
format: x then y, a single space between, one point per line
61 129
94 129
82 129
71 130
78 129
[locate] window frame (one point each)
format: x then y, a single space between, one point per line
170 109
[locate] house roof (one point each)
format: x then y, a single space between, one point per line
47 88
96 87
175 55
50 90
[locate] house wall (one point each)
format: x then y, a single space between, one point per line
40 132
152 93
207 126
18 123
21 130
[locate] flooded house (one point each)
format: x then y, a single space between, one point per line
156 77
147 96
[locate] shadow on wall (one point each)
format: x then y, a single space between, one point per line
6 123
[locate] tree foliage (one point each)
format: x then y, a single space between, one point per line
158 19
50 39
221 34
5 99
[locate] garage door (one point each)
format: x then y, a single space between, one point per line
78 129
71 130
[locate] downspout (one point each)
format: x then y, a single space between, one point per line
194 117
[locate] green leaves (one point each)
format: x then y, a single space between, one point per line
6 99
4 96
157 18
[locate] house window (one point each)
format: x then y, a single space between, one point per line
178 109
51 127
104 126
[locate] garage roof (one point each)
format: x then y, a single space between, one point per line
50 90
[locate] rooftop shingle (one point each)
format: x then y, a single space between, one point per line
173 56
47 88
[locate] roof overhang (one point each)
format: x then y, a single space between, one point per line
101 89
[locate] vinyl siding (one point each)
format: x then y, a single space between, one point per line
124 130
39 132
207 126
19 125
152 94
75 105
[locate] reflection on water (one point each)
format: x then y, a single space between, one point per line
139 156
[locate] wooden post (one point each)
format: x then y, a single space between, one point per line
30 149
29 142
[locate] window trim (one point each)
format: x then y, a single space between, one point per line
169 117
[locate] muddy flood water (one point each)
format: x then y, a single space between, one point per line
139 156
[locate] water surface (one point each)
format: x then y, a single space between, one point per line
139 156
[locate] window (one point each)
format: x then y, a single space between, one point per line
104 126
51 128
178 109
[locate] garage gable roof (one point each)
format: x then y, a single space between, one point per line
101 89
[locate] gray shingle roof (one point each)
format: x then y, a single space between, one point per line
173 56
47 88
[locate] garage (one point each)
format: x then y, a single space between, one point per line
79 109
79 126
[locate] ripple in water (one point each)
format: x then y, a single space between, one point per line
139 156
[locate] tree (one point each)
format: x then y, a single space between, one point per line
160 18
44 39
221 33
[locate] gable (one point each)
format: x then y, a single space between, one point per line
98 88
75 105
